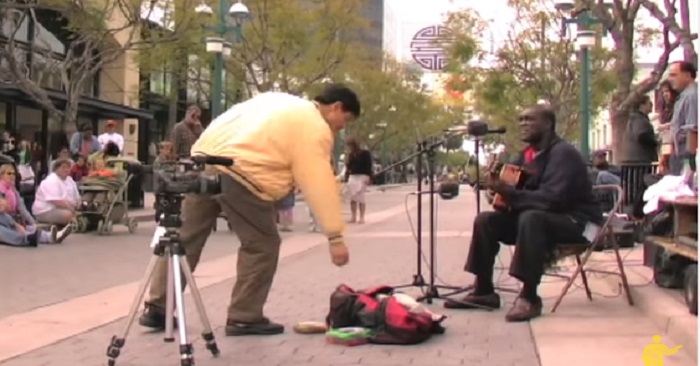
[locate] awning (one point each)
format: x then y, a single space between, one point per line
87 105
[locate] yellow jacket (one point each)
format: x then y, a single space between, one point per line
276 140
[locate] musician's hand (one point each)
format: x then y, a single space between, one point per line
339 253
499 186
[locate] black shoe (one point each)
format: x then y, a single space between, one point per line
469 301
154 317
33 239
265 327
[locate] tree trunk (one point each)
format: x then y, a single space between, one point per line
625 69
618 123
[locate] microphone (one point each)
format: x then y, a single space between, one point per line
211 160
481 128
497 131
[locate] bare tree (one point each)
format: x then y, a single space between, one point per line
92 45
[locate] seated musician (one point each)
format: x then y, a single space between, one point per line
553 206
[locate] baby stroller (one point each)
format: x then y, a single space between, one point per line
105 200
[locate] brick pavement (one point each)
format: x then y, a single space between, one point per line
380 254
52 274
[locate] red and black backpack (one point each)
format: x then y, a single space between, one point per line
390 321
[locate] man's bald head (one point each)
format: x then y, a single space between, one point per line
536 123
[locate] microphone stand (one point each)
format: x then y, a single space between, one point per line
430 289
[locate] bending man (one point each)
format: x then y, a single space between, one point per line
275 139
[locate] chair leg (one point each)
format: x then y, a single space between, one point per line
579 268
584 278
621 267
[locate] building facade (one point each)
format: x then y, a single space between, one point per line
373 37
112 94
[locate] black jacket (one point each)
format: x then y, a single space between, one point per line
359 163
640 140
557 181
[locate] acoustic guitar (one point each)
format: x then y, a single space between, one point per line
511 174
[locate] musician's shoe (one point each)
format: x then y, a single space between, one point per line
467 302
264 327
524 310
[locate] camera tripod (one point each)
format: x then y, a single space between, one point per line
166 244
430 289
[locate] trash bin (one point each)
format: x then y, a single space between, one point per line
134 190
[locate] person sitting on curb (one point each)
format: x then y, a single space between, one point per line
57 197
17 226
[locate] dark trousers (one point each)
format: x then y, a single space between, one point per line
534 234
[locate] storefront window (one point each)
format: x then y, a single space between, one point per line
161 83
28 123
10 25
47 72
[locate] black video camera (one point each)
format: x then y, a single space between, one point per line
188 176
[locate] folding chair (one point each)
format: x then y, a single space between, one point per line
582 252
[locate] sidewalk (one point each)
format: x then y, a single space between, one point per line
604 332
382 252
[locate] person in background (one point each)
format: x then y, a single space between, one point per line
358 175
165 156
18 226
640 140
285 210
682 76
64 154
111 134
57 198
84 142
186 132
665 105
24 153
111 150
603 172
80 169
24 167
9 145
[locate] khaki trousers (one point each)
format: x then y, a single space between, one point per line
253 221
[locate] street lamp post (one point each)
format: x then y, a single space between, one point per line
585 40
220 47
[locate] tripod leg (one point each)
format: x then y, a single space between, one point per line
207 333
169 300
186 358
117 342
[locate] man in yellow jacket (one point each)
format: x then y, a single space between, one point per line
275 140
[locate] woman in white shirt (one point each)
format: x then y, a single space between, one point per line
57 198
